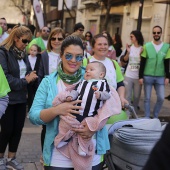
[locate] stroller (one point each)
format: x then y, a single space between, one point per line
131 142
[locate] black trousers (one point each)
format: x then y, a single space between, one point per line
43 136
12 123
97 167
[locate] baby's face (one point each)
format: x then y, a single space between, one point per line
93 71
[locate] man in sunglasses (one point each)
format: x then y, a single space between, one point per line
3 25
41 41
154 70
79 28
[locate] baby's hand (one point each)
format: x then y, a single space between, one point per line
97 94
69 99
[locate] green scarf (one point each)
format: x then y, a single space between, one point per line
69 79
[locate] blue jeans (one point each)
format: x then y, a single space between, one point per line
158 83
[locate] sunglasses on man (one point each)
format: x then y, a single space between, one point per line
54 39
156 33
48 31
81 30
69 56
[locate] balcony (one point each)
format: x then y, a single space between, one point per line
53 15
162 1
88 2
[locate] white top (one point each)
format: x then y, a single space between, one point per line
88 46
32 60
157 47
3 37
132 70
45 42
110 71
86 54
22 68
54 60
59 160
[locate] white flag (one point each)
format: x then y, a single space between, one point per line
38 13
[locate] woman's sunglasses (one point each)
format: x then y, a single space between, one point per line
70 56
87 36
54 39
24 41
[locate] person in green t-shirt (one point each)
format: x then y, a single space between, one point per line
42 40
4 89
154 70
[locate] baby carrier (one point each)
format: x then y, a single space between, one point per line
131 143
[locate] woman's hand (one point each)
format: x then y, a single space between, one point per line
64 109
128 48
31 77
141 81
123 101
84 131
69 108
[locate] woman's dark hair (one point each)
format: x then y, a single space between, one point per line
88 32
139 37
96 37
110 41
71 40
118 39
78 25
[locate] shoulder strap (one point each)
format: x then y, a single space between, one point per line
114 64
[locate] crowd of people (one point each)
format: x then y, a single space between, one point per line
73 84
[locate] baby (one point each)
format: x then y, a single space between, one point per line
93 91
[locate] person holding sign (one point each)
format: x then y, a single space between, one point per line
132 58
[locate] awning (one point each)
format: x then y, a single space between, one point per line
162 1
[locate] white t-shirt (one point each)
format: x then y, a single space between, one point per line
59 160
32 60
22 68
54 60
3 37
88 46
110 71
132 70
157 47
45 42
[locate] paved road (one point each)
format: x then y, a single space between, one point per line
29 150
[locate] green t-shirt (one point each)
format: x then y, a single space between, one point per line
4 86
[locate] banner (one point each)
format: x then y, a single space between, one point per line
39 13
60 5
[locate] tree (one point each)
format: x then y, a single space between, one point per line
108 6
24 9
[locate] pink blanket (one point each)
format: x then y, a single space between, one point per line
111 106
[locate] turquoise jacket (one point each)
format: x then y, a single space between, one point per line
43 99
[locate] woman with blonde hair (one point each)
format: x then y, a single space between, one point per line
17 71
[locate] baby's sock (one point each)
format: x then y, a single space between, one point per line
61 144
81 152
